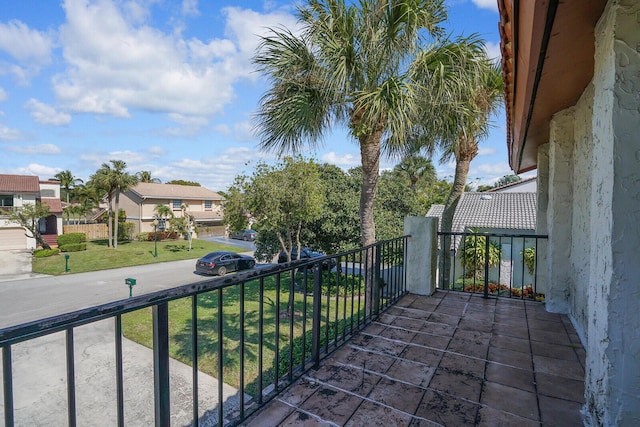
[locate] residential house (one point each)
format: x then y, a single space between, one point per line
572 79
19 190
139 203
497 213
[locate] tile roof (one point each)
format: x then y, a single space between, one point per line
174 191
55 205
19 184
516 211
512 184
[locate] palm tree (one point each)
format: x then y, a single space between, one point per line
415 168
145 176
361 64
67 180
113 180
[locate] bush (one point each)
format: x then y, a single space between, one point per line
42 253
125 230
142 237
162 235
74 247
71 238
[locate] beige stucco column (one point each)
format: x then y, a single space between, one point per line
559 211
542 183
422 252
612 387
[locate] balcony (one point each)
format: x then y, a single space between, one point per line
451 359
340 340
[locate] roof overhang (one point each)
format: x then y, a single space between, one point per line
547 60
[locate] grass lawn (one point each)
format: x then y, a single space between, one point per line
137 326
100 257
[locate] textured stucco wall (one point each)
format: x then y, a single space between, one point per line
422 251
541 217
559 211
583 166
612 387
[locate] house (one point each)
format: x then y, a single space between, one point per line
19 190
528 185
506 213
572 73
139 203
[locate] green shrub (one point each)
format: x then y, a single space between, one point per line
162 235
41 253
142 237
74 247
71 238
125 230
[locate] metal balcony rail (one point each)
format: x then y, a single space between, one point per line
494 264
263 329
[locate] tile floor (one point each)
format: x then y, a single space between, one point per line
451 359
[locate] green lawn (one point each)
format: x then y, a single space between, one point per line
100 257
137 326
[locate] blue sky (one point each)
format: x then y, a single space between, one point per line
167 86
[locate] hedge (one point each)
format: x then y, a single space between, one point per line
71 238
41 253
74 247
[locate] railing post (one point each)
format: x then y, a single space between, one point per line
7 374
486 266
317 307
161 364
71 379
375 297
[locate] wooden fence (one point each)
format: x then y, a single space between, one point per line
92 231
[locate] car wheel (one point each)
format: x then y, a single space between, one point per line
222 271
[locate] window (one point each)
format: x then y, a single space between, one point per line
47 193
177 204
6 201
207 205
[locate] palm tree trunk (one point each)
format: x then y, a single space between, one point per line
115 221
459 182
370 158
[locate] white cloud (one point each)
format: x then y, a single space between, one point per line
9 134
190 8
222 128
243 131
45 114
3 95
486 151
36 149
487 4
493 50
116 64
40 171
24 44
156 151
347 160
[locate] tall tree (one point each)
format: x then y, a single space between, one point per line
361 64
67 180
28 216
415 168
112 179
145 176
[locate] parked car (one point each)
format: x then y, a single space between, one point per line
221 263
246 235
307 254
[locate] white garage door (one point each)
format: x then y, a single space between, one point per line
12 238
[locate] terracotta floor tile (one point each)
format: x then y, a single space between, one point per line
371 414
386 346
407 300
299 418
546 325
457 384
558 367
468 348
446 410
415 313
425 304
299 392
509 399
331 405
414 373
556 351
423 355
510 330
366 360
463 364
361 339
513 377
549 337
444 318
470 324
510 343
399 334
560 413
407 323
355 380
476 336
398 395
441 329
490 417
272 415
510 358
562 388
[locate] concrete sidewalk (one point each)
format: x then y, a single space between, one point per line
40 393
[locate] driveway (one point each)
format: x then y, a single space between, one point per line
15 264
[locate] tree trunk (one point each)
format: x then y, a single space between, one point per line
116 220
459 182
370 158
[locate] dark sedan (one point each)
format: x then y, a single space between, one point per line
306 255
221 263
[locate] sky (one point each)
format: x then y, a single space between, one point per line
167 86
